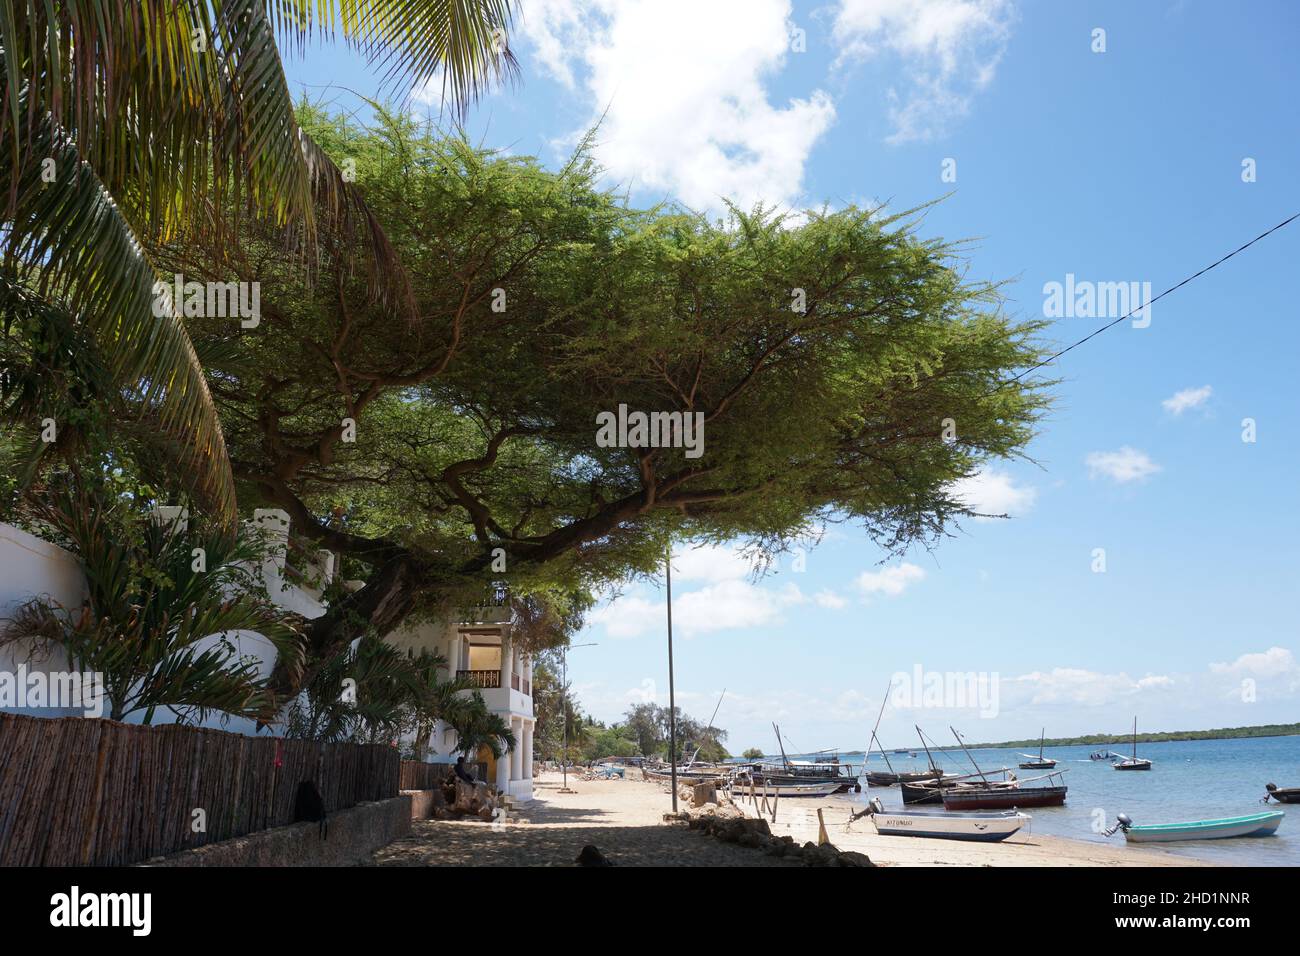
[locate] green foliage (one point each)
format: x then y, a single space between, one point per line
1116 740
475 431
753 753
124 126
157 595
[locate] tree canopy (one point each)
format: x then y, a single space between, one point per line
841 366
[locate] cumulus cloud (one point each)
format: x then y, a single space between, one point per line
1122 466
949 51
1274 662
992 492
1079 687
682 87
830 600
890 582
1188 398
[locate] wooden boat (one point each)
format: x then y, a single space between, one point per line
880 778
940 824
1004 794
1134 762
930 790
1002 798
810 788
1282 794
1251 825
1040 762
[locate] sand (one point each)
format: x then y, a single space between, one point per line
624 819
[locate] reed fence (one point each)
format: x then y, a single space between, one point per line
417 775
79 791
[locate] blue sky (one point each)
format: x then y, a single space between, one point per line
1117 166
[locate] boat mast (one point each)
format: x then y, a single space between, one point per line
1135 737
928 755
784 758
968 754
882 751
1041 737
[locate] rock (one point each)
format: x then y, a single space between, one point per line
824 855
854 858
703 793
591 856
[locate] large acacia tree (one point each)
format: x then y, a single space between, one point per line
843 367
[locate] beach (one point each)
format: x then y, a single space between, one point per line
624 819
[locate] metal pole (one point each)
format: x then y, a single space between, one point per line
672 696
564 717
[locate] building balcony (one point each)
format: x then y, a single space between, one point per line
484 679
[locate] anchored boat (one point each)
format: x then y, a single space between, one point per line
1134 762
982 827
1251 825
1040 762
1282 794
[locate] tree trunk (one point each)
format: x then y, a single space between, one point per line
382 605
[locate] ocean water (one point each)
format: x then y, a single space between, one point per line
1189 780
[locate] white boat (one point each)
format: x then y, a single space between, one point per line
813 788
1251 825
986 827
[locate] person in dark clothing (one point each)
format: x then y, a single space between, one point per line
461 772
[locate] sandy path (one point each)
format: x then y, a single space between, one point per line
624 819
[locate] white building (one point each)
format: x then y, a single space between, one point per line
477 647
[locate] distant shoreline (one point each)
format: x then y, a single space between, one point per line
1106 740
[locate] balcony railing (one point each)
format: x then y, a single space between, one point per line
485 679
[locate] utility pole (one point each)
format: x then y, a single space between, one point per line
672 697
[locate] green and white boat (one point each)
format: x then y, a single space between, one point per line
1251 825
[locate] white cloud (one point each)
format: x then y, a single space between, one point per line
711 563
684 86
890 581
732 604
629 615
1127 464
1180 402
1078 687
950 50
993 492
1274 662
829 599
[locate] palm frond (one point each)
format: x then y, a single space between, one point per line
70 242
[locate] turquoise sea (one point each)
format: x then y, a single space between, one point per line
1189 780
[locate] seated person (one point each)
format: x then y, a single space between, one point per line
462 772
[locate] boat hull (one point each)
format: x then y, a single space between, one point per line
1038 765
1286 794
1253 825
741 786
882 779
1132 764
1003 799
942 825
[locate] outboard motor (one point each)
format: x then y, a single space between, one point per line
876 805
1270 787
1122 822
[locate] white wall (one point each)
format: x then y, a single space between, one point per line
32 568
